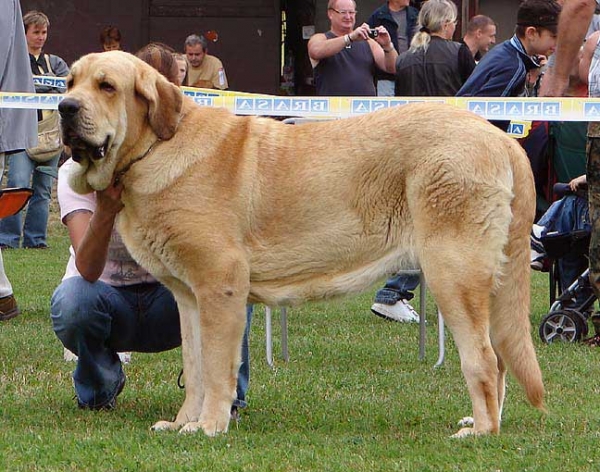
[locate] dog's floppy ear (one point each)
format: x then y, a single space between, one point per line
164 101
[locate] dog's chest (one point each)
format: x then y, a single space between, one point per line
144 242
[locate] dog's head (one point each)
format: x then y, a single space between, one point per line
115 107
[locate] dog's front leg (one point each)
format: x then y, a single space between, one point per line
192 353
222 322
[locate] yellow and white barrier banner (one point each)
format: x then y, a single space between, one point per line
509 109
519 111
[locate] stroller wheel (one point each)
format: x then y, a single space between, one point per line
563 326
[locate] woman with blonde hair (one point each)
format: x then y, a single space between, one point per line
434 65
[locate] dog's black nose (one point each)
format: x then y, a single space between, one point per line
69 106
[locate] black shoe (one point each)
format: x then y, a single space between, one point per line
110 404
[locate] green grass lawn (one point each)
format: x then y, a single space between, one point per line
354 397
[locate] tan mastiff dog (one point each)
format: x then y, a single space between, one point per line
226 210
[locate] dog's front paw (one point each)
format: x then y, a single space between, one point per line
69 356
466 421
210 427
165 426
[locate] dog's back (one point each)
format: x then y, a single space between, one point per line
361 199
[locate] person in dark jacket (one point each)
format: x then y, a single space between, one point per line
480 35
434 65
399 19
503 71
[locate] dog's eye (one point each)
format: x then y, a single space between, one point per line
107 87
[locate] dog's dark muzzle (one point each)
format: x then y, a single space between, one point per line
68 108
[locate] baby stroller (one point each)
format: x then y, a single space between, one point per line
567 320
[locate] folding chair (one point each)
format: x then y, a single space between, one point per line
422 299
422 324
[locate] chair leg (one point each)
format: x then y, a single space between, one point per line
284 335
422 315
269 336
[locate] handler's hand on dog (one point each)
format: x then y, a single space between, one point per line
109 199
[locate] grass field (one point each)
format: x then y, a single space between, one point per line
354 397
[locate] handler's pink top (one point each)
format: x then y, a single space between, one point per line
120 268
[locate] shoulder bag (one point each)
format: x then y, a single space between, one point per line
49 134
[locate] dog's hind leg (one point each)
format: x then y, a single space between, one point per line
463 298
468 421
501 384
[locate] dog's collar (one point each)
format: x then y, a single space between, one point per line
119 175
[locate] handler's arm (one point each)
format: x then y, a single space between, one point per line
90 233
573 23
6 31
319 47
586 56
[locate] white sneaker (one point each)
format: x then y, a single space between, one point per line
400 311
69 356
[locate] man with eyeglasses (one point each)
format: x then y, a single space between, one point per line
345 58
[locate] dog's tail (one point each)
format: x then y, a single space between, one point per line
510 328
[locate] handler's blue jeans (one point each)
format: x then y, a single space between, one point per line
97 320
22 172
398 287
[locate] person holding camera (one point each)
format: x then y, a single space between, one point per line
344 59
